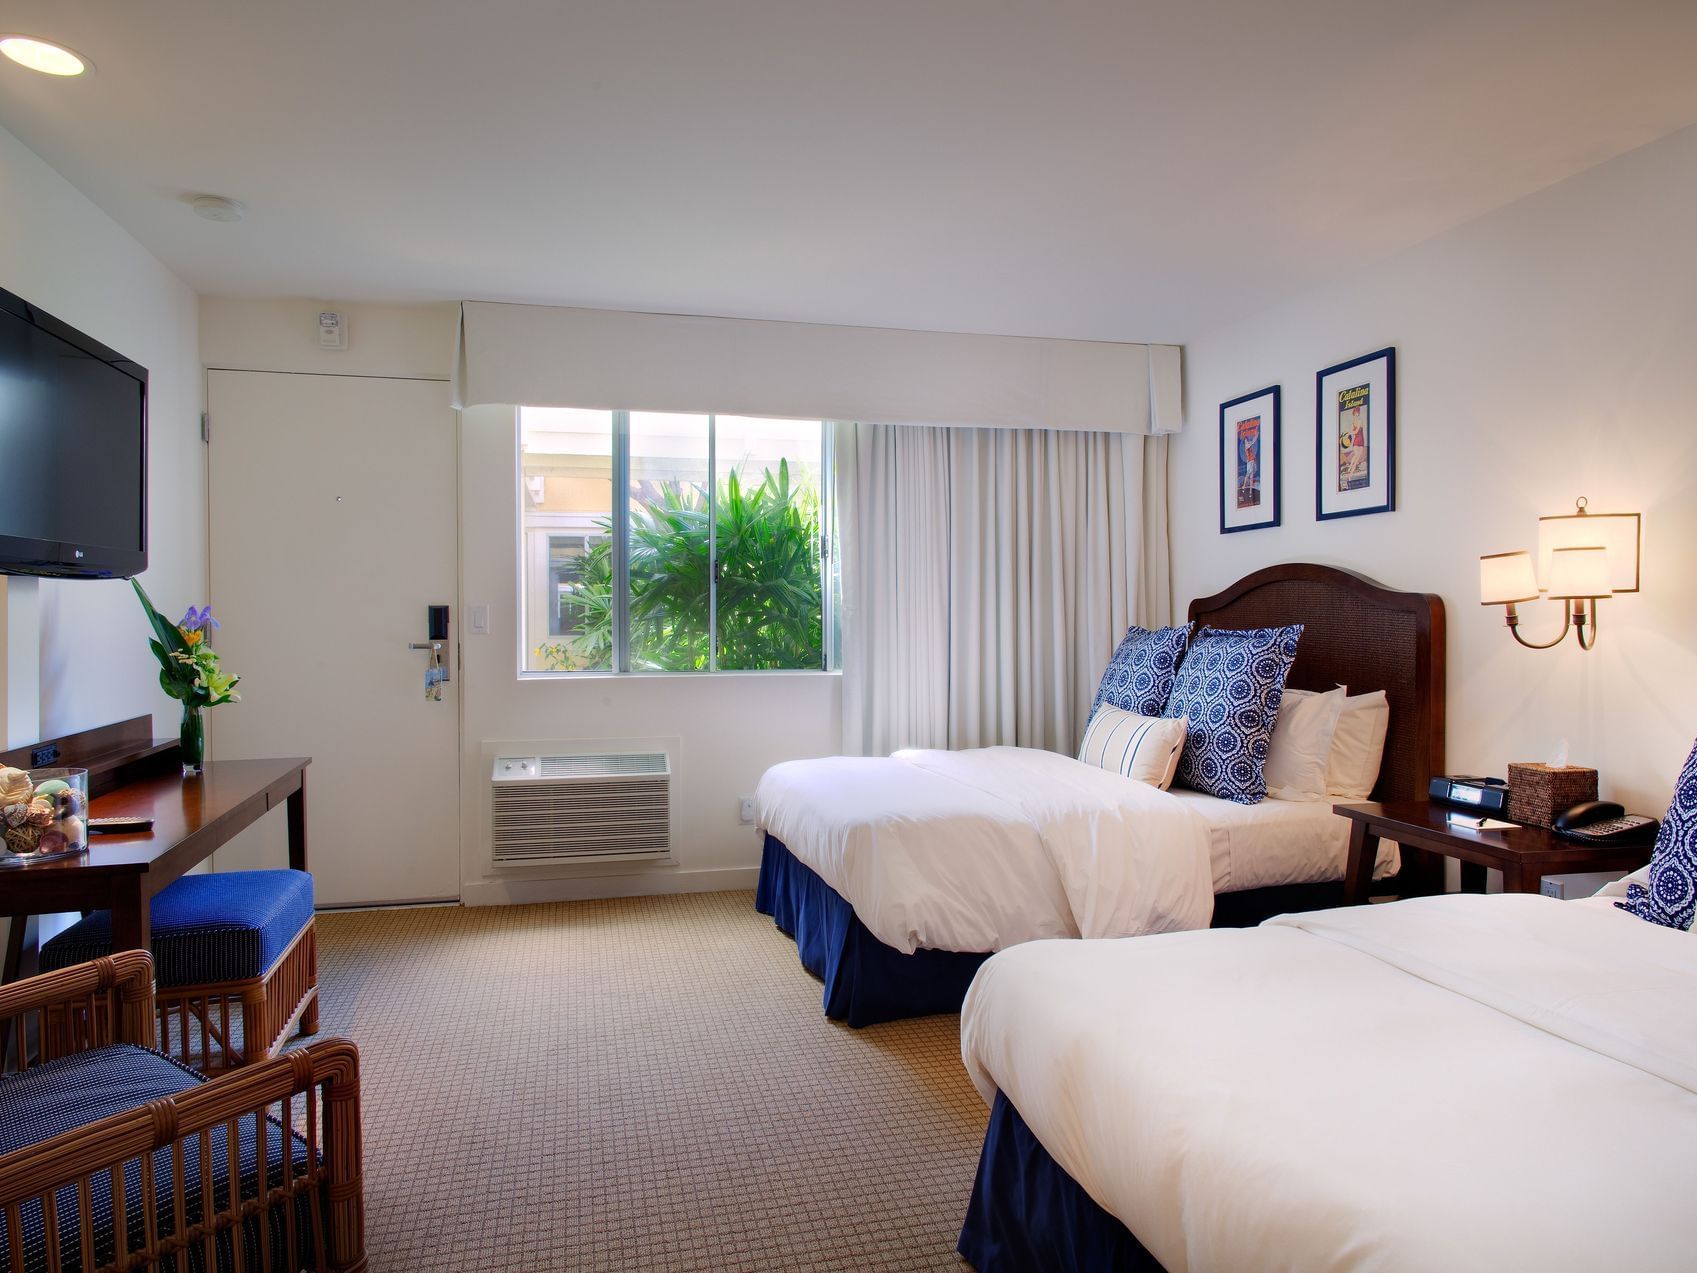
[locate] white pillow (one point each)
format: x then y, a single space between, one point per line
1142 747
1617 888
1299 755
1358 745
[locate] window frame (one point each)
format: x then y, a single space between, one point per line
824 556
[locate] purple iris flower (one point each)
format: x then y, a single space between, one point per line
198 620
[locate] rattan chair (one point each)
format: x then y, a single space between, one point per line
237 961
258 1169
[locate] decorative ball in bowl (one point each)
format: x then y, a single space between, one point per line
43 813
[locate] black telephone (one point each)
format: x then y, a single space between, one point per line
1604 822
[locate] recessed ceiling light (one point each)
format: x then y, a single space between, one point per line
215 207
43 55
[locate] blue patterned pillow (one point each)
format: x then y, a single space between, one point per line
1140 675
1229 690
1671 898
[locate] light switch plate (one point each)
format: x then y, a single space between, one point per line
746 810
480 619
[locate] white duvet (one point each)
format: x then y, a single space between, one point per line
980 850
1461 1082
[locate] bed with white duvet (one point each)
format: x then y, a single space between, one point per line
898 875
979 850
1456 1082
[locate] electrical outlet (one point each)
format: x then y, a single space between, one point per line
746 808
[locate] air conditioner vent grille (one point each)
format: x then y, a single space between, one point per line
602 766
563 808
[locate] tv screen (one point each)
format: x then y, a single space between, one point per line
73 447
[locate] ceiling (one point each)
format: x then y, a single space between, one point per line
1107 169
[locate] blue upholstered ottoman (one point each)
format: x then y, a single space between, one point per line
241 938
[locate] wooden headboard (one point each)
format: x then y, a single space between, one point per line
1358 634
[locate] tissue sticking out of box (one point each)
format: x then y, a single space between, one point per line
1558 757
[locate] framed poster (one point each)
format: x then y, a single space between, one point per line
1355 437
1249 461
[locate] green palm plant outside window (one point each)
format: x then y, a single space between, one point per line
770 602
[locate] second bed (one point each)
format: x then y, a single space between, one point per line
898 876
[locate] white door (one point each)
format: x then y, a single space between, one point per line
333 504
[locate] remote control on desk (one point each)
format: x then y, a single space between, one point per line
119 826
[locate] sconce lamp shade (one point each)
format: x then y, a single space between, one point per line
1577 573
1617 532
1505 578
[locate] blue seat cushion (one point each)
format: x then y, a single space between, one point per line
206 928
83 1088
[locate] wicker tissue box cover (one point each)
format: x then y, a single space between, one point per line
1538 793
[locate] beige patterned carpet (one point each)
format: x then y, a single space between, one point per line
645 1084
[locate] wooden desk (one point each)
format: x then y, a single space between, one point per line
191 818
1525 855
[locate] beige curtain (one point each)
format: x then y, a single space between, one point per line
988 575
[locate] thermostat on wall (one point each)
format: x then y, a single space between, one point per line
332 329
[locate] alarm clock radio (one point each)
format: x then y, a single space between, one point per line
1488 795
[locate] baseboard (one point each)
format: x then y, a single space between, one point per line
519 892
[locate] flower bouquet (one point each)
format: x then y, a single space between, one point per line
189 672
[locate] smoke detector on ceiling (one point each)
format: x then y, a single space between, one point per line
215 207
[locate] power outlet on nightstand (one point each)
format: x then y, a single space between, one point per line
1580 884
745 810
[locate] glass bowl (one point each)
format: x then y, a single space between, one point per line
43 814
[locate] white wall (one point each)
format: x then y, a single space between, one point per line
59 251
411 341
726 729
1544 352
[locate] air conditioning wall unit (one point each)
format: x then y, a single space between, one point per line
549 810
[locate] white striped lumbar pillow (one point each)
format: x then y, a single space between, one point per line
1142 747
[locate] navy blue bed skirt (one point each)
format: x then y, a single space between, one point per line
1028 1216
865 981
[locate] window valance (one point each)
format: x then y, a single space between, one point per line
538 355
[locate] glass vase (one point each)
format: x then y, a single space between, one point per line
192 737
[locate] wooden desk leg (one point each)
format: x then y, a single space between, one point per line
131 923
1363 855
1520 879
297 827
14 948
1473 877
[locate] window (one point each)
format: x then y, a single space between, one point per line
664 542
567 498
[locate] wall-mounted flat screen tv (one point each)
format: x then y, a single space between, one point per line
73 451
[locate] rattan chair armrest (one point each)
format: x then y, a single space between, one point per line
329 1064
126 977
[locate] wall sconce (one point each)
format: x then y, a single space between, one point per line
1582 557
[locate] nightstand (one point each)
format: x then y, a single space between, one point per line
1525 855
